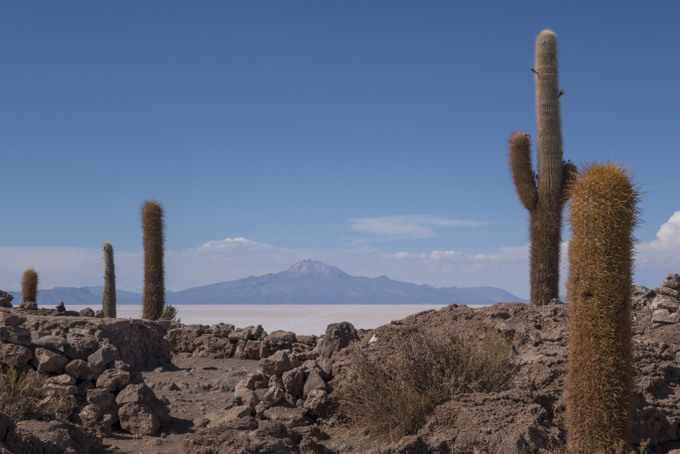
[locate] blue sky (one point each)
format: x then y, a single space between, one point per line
370 135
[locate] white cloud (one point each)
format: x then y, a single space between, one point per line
656 258
406 227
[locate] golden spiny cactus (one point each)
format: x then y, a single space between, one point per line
599 385
29 286
154 271
109 293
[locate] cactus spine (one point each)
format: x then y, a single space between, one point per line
544 199
599 385
109 294
154 271
29 286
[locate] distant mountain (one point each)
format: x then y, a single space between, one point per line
311 282
306 282
88 296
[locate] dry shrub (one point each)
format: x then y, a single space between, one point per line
391 395
26 396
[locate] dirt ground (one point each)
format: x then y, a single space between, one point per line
196 388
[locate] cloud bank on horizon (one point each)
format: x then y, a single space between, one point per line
235 258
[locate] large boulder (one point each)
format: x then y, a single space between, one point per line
337 337
5 299
53 437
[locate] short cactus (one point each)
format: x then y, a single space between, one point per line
109 293
543 195
599 384
154 271
29 286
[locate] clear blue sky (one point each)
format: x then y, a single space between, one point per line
370 135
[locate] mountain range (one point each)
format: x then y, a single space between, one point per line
306 282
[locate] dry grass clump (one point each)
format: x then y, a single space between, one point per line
26 396
391 395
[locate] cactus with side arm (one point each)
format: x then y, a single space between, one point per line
543 194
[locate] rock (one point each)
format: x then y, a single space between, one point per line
138 419
221 330
113 380
316 401
667 291
87 312
255 380
82 370
289 416
5 299
103 356
279 363
61 307
337 337
273 396
63 379
99 313
664 316
10 319
28 306
137 394
228 418
228 383
672 281
662 301
51 342
293 381
54 437
15 355
15 335
313 382
245 396
80 347
45 361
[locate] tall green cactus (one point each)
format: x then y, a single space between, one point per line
544 199
29 286
599 384
154 270
109 293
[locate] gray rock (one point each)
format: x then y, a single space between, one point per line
15 335
664 316
279 362
15 355
273 396
229 418
5 299
51 342
113 380
82 370
80 347
46 361
29 306
136 394
289 416
337 337
87 312
10 319
138 419
294 381
103 356
662 301
313 382
667 291
255 380
63 379
316 402
245 396
672 281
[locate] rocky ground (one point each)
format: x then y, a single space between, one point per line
226 390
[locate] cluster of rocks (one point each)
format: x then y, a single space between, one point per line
226 341
92 364
275 409
663 300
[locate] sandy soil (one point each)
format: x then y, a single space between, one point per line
195 387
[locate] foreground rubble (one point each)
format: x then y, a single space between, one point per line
255 392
